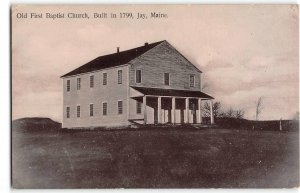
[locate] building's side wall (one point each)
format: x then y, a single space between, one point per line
154 63
134 115
164 59
110 93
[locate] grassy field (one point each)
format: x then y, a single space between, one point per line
155 158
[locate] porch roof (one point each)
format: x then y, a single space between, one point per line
172 92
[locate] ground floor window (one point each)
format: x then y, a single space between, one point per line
78 111
104 108
138 107
91 110
120 107
68 112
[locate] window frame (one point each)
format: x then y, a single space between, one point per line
78 83
104 78
120 76
78 111
68 85
92 81
68 112
106 111
192 84
120 108
166 73
141 76
138 107
91 109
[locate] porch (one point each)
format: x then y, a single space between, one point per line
169 106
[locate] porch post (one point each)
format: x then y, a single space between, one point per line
145 109
159 110
187 110
199 111
173 110
211 112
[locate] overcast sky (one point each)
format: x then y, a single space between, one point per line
244 52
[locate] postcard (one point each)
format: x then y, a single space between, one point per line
155 96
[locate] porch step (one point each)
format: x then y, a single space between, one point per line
168 126
133 122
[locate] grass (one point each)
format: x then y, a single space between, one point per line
159 158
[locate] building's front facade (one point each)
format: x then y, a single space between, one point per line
152 84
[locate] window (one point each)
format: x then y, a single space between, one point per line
120 107
192 80
68 112
78 83
138 76
68 85
105 78
78 111
138 107
119 76
104 105
92 81
91 110
167 78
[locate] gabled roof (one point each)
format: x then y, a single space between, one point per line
172 92
112 60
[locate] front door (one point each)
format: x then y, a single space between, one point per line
181 115
155 116
194 113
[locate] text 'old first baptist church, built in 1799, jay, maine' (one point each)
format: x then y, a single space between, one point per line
151 84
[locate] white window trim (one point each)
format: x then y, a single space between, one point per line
194 83
67 112
136 108
79 111
103 108
169 79
79 78
93 81
68 81
90 110
121 77
122 107
141 76
103 78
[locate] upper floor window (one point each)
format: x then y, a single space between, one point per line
119 76
68 112
78 111
120 107
92 81
138 76
167 78
104 78
192 80
91 110
138 107
78 83
104 108
68 85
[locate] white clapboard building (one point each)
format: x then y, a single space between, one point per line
150 84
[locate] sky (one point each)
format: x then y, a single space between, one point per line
244 51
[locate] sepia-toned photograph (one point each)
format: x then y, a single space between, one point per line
154 96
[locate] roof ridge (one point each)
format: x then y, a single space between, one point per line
131 49
113 59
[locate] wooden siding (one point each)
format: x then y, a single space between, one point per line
164 59
110 93
154 63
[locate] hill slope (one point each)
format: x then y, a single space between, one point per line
35 124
